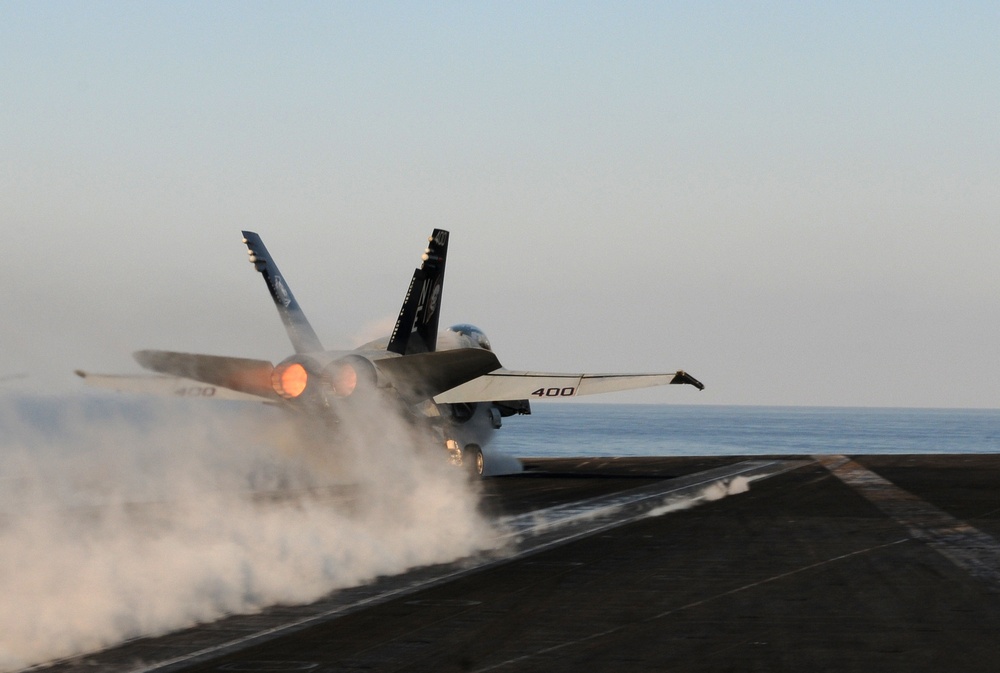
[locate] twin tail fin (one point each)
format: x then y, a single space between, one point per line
417 326
301 333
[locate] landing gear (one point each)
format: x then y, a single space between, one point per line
473 460
471 457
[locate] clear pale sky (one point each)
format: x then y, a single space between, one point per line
797 202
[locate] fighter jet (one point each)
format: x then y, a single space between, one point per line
455 384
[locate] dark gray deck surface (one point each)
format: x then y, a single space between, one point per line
806 571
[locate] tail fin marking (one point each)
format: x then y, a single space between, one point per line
417 326
301 333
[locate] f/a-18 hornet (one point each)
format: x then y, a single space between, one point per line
456 385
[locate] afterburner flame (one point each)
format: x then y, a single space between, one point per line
345 380
290 380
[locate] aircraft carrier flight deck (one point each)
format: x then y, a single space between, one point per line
863 563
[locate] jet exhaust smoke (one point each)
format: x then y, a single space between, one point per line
121 518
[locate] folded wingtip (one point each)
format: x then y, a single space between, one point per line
682 377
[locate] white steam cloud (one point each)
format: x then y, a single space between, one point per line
120 519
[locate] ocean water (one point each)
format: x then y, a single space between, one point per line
571 429
555 430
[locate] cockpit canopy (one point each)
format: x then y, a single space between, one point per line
471 336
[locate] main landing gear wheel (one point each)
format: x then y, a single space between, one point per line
474 460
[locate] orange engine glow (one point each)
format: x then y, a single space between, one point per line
345 380
290 381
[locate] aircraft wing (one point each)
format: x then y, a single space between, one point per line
169 386
504 384
420 376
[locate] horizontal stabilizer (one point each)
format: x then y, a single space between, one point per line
508 385
423 375
240 374
169 386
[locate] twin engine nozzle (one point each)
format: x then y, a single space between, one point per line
300 376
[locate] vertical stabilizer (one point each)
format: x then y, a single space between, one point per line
304 339
417 326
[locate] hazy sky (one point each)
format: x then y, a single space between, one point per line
797 202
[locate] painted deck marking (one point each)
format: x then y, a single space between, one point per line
967 547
